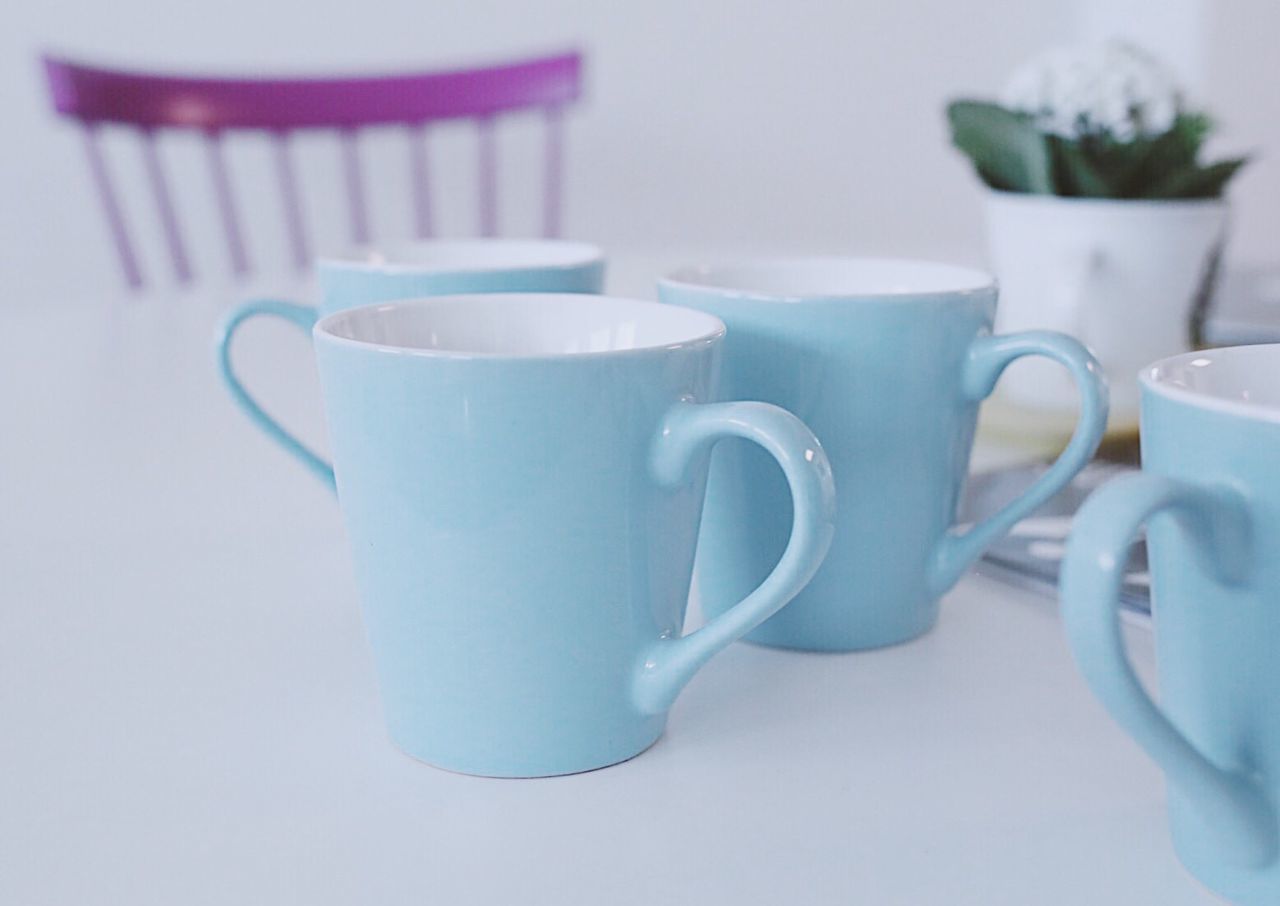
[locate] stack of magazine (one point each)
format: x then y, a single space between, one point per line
1031 554
1246 309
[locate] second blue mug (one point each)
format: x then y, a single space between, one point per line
887 361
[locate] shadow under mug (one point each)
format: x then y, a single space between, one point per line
521 478
887 361
409 270
1209 493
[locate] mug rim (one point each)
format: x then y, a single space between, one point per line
712 329
702 278
1160 378
381 258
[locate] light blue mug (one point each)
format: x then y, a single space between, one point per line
887 361
1209 494
409 270
521 478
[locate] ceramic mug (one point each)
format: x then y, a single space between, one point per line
424 268
1209 494
521 478
887 361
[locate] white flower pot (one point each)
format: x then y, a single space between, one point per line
1121 276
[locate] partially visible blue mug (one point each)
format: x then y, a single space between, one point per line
408 270
521 478
1209 493
887 361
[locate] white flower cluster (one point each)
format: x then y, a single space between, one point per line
1112 89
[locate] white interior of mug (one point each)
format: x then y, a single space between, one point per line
1240 379
834 277
520 325
451 255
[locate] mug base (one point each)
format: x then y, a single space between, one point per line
834 643
1202 856
515 770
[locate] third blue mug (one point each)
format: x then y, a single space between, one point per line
887 361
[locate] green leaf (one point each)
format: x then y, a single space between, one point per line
1076 173
1006 148
1198 182
1154 161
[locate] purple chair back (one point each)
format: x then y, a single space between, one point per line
214 106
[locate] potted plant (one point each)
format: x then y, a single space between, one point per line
1103 219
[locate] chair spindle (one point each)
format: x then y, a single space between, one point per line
419 175
164 207
290 200
355 187
226 203
488 170
553 178
111 206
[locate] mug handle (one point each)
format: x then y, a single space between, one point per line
688 430
988 358
1216 520
302 316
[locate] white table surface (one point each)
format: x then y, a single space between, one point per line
188 712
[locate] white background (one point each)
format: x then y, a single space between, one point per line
786 125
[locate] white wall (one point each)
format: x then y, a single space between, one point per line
1244 70
796 124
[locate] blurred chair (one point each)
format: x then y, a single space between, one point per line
214 106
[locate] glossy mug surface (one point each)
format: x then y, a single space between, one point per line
1209 493
887 361
521 478
409 270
